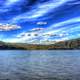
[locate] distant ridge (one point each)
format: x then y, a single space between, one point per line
62 45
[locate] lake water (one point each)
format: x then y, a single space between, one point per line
40 65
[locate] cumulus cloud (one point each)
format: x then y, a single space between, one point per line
31 33
8 27
37 29
57 32
24 37
29 36
42 23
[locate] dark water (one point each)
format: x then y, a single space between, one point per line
40 65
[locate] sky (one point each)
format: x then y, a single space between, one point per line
39 21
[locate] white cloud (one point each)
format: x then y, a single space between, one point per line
31 33
11 2
39 11
28 37
37 29
63 30
73 2
63 23
8 27
42 23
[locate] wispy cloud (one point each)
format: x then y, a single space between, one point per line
67 29
57 32
9 3
73 2
39 10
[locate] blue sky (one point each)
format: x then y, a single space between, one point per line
39 21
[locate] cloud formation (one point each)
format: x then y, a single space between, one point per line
8 27
63 22
39 10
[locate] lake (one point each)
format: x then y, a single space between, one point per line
40 65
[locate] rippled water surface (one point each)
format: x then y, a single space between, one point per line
40 65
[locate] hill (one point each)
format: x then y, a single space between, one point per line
62 45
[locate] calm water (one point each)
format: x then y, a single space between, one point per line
40 65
